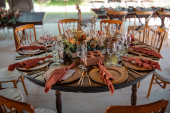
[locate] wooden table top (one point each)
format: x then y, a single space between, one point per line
86 88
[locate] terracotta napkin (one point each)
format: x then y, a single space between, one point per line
106 76
144 62
57 75
27 63
132 37
51 39
31 47
147 51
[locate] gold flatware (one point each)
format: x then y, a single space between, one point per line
130 72
88 78
136 72
82 78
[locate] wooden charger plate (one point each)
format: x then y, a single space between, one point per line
35 67
30 53
136 41
75 76
131 50
135 65
119 74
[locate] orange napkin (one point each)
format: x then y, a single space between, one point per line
147 51
144 62
132 37
31 47
106 76
57 75
51 39
27 63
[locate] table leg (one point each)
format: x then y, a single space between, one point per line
134 94
58 101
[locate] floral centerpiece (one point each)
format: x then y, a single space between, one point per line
9 16
72 38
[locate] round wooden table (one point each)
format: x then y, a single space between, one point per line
86 88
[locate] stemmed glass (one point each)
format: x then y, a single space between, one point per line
60 51
117 51
84 56
55 51
128 41
79 55
112 29
110 51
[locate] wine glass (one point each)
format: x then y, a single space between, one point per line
84 56
60 51
79 55
110 51
112 29
128 41
117 51
54 48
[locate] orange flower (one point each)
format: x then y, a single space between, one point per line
72 40
78 42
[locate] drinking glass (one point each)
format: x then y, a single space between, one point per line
110 51
112 29
55 51
117 51
60 51
79 55
128 41
84 56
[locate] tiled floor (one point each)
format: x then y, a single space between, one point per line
74 102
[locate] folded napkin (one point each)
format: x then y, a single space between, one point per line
31 47
57 75
144 62
106 76
27 63
147 51
51 38
132 37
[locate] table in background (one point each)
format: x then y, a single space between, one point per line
35 18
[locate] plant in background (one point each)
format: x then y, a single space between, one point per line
9 16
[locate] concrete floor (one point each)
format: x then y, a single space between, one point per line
74 102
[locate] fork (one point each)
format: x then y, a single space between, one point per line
88 78
130 72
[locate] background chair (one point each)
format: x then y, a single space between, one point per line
24 34
83 22
71 23
8 76
18 106
105 24
155 107
160 94
162 78
138 15
22 5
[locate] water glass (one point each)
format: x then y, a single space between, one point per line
84 55
55 51
60 51
128 41
79 55
110 51
117 51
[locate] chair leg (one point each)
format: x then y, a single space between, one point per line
15 84
164 86
150 86
138 84
23 85
0 86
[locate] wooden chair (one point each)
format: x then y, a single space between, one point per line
153 36
160 94
106 25
155 107
162 78
83 22
19 106
24 34
122 15
11 76
72 23
138 15
164 24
